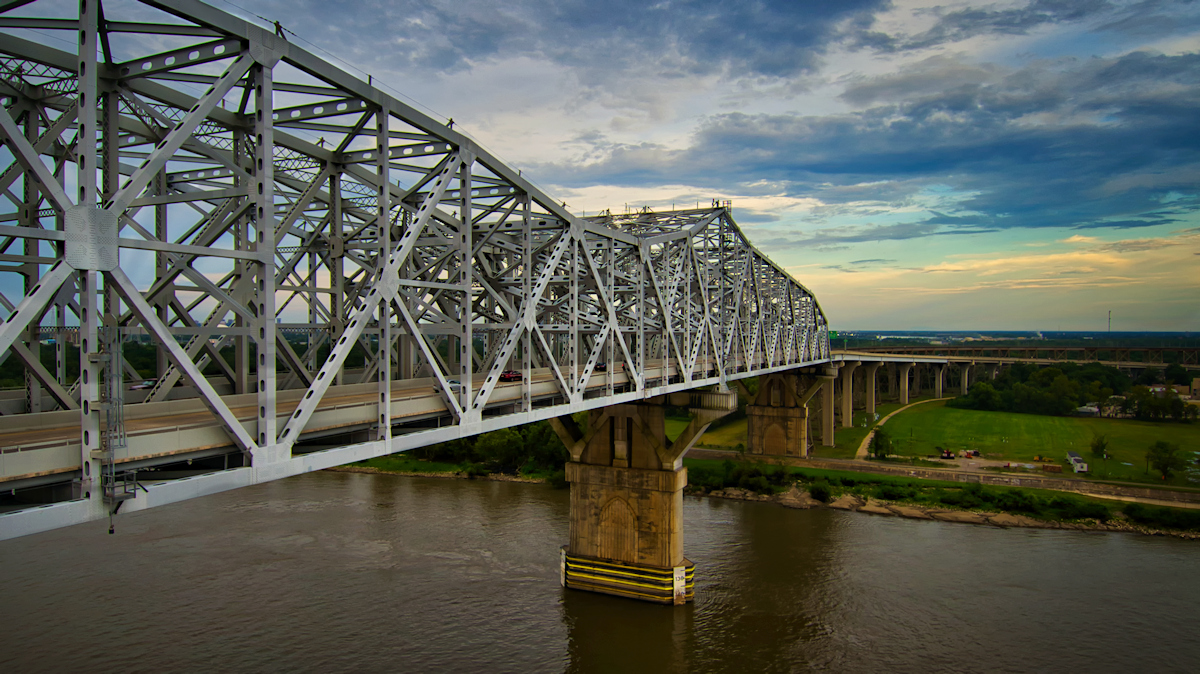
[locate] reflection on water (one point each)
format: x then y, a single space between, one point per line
339 571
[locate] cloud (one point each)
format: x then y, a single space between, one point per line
956 26
1025 151
766 38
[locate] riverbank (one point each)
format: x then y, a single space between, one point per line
453 475
801 499
797 497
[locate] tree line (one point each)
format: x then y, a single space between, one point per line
1061 389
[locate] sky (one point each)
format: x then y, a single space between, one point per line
1023 165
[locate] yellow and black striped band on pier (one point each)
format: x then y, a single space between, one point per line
648 583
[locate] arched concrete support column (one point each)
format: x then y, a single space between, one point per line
915 389
848 393
939 380
778 416
827 408
964 370
869 385
904 370
627 480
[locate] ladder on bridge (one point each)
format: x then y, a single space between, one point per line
117 486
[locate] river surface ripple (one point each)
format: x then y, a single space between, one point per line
331 572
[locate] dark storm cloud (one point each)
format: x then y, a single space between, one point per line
1043 146
772 37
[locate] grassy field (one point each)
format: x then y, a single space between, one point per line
1007 436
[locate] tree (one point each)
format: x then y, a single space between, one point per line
1165 458
1177 374
1100 446
881 443
502 449
983 396
1149 377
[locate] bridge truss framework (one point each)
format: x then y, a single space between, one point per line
185 177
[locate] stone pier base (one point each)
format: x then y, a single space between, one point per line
634 581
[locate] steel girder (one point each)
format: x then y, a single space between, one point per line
199 182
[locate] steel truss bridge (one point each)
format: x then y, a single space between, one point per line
312 260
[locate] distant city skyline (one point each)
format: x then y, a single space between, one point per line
918 165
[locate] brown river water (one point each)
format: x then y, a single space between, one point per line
344 572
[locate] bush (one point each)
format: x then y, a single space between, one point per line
820 491
758 483
961 499
1015 500
1166 518
893 492
558 479
1066 507
474 470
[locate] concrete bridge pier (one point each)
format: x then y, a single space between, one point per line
848 393
869 386
964 370
939 380
779 416
828 378
627 480
904 370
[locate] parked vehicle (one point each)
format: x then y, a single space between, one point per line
510 375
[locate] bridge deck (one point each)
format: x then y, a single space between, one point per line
36 445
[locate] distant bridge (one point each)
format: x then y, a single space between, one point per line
1116 356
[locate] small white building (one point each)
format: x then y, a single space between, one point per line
1077 462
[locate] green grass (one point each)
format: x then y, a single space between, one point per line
730 435
675 426
847 440
1007 436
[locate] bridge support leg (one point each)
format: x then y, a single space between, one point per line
848 393
869 386
627 480
777 418
827 409
904 369
939 379
965 372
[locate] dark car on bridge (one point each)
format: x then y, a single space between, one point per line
510 375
